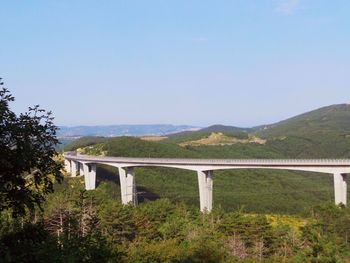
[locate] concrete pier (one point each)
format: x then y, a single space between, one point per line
67 166
74 168
340 188
89 176
205 183
127 185
81 169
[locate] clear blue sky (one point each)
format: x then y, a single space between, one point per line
235 62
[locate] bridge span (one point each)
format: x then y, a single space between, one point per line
86 166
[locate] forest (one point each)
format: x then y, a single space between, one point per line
75 225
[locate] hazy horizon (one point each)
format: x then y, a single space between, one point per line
192 125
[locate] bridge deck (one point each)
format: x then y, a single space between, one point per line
204 168
218 162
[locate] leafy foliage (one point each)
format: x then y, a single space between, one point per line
27 167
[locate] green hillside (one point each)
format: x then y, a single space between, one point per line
318 134
226 129
333 119
84 142
322 133
197 135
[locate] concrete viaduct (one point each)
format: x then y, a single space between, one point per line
86 165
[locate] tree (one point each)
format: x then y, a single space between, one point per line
27 151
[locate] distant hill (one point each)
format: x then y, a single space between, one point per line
226 129
84 142
334 119
121 130
322 133
186 136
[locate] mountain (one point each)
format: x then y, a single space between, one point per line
322 133
121 130
231 131
331 119
226 129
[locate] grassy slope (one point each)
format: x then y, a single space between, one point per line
322 133
83 142
256 190
334 119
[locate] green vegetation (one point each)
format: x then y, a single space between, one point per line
197 135
84 142
330 119
323 133
218 138
226 129
81 226
27 151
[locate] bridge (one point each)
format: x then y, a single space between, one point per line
85 165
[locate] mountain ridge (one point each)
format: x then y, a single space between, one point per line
334 117
121 130
324 115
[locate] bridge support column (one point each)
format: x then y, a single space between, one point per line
127 185
205 183
74 168
81 169
89 176
340 188
67 165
